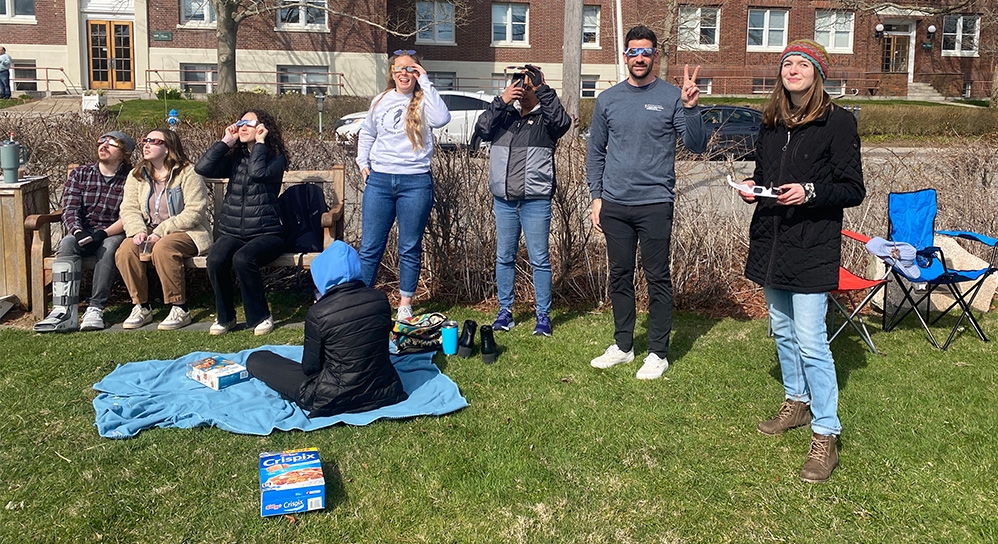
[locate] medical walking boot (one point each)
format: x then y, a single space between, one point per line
821 460
66 274
792 414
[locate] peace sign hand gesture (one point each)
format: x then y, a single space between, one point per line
691 93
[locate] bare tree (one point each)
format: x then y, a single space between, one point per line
231 13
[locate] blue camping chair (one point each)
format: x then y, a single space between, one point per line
912 219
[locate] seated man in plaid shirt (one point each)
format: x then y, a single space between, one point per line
90 203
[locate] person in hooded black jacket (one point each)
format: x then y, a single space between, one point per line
252 155
345 365
809 153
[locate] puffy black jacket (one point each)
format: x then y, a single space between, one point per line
797 248
250 206
346 353
521 161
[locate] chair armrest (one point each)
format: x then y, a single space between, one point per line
855 236
36 221
968 235
332 216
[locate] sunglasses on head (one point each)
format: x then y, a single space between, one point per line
109 141
409 52
632 52
247 123
406 69
153 141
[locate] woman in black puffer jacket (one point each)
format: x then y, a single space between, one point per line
250 235
808 153
345 366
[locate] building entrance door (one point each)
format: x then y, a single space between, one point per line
111 55
895 54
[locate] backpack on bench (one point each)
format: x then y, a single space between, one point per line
302 206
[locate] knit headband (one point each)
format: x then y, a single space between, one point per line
810 50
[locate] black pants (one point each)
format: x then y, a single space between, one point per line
244 257
279 373
624 227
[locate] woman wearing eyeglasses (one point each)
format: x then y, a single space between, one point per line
394 150
252 155
165 215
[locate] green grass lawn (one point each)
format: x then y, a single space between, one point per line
549 450
154 112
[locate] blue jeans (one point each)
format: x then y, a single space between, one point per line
534 218
387 197
105 271
4 83
798 321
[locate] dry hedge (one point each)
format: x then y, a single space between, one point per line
710 228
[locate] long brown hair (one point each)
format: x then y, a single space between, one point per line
414 113
780 109
175 156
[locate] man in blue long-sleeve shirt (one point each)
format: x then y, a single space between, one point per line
630 168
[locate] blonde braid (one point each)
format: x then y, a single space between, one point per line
414 120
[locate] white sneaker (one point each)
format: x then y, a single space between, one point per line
265 327
218 329
653 368
612 356
177 319
93 319
405 312
138 318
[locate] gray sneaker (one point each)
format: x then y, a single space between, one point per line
139 317
93 319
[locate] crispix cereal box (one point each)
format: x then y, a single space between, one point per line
291 481
216 372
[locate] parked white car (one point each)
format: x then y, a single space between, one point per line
464 107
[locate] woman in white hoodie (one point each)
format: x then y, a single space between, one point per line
394 149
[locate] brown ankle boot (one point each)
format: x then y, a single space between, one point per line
792 414
821 460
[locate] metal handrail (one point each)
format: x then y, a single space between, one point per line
47 81
160 78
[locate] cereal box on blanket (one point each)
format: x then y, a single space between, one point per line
217 372
291 481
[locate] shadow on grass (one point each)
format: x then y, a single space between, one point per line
336 492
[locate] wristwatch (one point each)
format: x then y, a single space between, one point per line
808 192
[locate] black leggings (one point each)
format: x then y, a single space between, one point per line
279 373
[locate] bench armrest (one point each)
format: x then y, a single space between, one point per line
36 221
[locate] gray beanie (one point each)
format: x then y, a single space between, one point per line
125 139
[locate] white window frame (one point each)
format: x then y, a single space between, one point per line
509 41
439 78
594 30
207 11
302 25
767 29
302 72
690 22
959 34
706 85
588 86
8 15
842 22
441 18
210 71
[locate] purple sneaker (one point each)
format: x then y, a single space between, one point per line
504 321
543 326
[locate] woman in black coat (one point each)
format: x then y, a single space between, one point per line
808 154
252 155
345 365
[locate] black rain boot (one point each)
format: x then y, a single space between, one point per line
466 344
489 351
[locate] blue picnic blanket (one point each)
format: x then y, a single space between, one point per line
157 393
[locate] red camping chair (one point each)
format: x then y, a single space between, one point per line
850 283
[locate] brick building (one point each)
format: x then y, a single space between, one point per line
142 45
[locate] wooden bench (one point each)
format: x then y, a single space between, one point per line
42 256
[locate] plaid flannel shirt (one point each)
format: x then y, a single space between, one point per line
89 202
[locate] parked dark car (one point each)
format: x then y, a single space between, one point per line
733 131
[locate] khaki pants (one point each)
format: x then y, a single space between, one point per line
168 254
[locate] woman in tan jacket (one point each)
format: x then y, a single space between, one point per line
165 214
